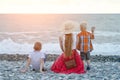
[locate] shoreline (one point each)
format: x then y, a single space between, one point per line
102 68
52 57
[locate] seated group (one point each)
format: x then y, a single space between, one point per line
70 61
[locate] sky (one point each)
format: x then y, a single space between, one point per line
59 6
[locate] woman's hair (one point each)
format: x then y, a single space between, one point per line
37 46
68 44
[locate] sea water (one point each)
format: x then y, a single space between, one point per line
19 32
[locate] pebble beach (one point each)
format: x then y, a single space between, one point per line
101 69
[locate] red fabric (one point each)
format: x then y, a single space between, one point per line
59 65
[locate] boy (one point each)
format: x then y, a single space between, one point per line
84 43
36 59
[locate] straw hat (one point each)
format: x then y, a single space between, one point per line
68 27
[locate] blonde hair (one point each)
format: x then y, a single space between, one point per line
37 46
83 25
68 45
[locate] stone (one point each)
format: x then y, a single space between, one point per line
2 78
99 71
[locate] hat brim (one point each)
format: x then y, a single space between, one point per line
68 31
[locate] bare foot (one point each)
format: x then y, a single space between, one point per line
42 71
23 70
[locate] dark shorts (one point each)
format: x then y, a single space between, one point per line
85 56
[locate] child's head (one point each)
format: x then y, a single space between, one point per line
37 46
83 26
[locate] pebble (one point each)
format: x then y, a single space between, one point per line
9 70
1 78
52 57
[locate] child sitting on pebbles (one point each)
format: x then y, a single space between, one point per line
36 59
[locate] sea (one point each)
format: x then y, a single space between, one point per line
19 32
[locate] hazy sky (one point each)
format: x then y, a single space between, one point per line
59 6
33 22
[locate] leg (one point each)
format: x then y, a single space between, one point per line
88 60
44 62
82 54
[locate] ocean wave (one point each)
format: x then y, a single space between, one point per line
8 46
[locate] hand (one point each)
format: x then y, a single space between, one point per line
92 29
23 70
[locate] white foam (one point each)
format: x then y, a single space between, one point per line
8 46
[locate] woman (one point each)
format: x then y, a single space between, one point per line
69 61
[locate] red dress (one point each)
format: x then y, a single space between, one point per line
59 65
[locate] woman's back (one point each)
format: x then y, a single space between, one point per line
73 43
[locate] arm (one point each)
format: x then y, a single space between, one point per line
60 42
41 64
27 65
92 34
77 43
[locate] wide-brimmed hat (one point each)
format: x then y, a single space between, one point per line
68 27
